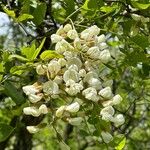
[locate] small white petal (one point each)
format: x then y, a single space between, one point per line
107 137
32 129
106 93
72 34
60 111
73 108
43 109
75 121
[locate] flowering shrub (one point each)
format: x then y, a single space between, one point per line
76 82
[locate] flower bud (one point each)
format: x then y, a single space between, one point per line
107 137
43 109
82 73
73 108
32 129
106 93
35 98
101 38
67 27
93 52
31 111
77 43
118 120
75 121
60 48
56 38
60 31
105 56
30 89
116 99
95 83
62 62
41 69
60 111
72 34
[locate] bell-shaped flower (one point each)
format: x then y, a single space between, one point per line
93 52
60 48
107 113
95 83
35 98
60 111
60 31
82 73
116 99
118 120
74 61
31 89
43 109
73 67
62 62
90 94
31 111
101 38
105 56
32 129
73 108
106 93
90 75
102 46
58 79
41 69
106 136
71 74
75 121
56 38
67 27
77 43
54 67
72 34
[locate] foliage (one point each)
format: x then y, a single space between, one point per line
126 26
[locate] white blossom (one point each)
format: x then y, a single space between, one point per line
62 62
60 111
105 56
73 108
116 99
101 38
74 61
106 93
94 82
82 73
75 121
60 48
32 129
102 46
58 79
118 120
43 109
90 94
107 137
35 98
41 69
72 34
67 27
94 52
56 38
77 43
60 31
31 111
30 89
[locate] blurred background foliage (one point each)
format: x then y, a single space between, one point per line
25 33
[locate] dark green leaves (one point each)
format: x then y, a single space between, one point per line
140 5
5 131
14 93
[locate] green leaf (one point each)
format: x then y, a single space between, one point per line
28 51
69 7
140 5
15 56
121 145
18 69
141 41
5 131
1 70
108 9
14 93
37 51
10 13
49 54
39 13
24 17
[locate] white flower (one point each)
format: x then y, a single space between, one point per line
107 103
30 89
90 94
72 34
60 48
74 61
71 74
102 46
82 73
58 79
105 56
67 45
77 43
74 87
41 69
94 30
43 109
50 87
35 98
107 113
73 108
31 111
56 38
54 67
101 38
116 99
60 111
75 121
73 67
60 31
118 120
67 27
94 82
89 76
62 62
106 93
93 52
32 129
107 137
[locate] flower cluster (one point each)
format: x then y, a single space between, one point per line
75 77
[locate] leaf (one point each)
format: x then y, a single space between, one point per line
140 5
69 7
37 51
141 41
5 131
49 54
12 91
10 13
15 56
121 145
18 69
28 51
108 9
1 70
39 13
24 17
